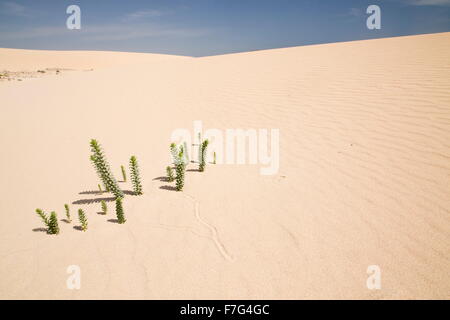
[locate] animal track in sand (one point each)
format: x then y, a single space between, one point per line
214 233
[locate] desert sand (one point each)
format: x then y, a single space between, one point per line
364 175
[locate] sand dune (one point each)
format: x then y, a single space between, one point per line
363 178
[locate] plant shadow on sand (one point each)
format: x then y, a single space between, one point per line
91 192
78 228
39 230
162 178
65 220
97 200
170 188
113 220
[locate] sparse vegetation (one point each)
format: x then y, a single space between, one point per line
43 216
66 206
104 207
103 170
169 172
100 188
83 220
180 165
119 211
135 177
202 154
214 154
124 176
53 227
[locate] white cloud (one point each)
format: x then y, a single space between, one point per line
104 32
143 14
356 12
14 9
428 2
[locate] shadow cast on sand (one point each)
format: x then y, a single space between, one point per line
170 188
97 200
78 228
113 220
101 213
164 179
192 170
40 230
91 192
65 220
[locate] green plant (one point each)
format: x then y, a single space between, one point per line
104 207
180 165
202 162
53 227
119 211
174 152
124 176
83 220
42 215
103 170
169 172
66 206
100 188
214 161
135 177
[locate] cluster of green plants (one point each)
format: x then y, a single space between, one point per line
180 159
50 222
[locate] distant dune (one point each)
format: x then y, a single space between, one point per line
364 176
31 60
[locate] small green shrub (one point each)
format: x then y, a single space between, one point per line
169 172
53 227
119 211
100 188
214 161
66 206
124 176
103 170
83 220
202 162
43 216
135 177
180 165
104 207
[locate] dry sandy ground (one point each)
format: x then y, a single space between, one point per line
364 174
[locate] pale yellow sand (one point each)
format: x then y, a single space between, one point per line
364 173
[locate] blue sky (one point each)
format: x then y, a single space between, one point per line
210 27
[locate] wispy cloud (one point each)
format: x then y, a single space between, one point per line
105 32
14 9
428 2
144 14
355 12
